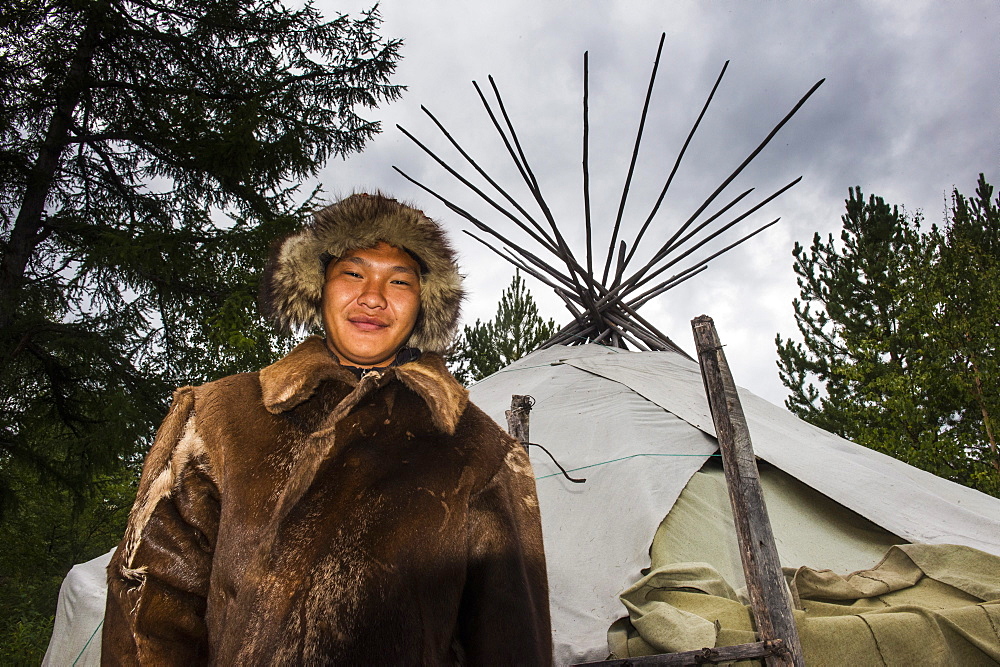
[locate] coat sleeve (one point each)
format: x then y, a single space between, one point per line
158 577
504 618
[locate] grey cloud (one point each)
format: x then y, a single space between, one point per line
910 108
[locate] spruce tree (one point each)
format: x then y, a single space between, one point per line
899 335
485 347
959 307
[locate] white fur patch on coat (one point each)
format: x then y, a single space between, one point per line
188 447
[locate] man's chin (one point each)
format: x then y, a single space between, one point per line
362 359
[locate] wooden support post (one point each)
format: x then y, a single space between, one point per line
705 656
518 418
769 599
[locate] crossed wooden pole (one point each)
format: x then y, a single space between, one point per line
603 304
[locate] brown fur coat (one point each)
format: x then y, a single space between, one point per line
300 516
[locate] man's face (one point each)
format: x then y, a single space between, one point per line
371 299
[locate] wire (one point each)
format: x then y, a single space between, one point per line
566 474
623 458
92 635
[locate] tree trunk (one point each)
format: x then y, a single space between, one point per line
981 400
29 228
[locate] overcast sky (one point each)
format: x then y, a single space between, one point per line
910 108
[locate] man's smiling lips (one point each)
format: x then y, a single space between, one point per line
367 323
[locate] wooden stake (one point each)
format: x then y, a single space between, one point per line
705 656
769 600
518 418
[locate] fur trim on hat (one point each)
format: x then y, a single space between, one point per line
292 285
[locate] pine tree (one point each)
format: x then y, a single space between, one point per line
960 304
899 332
484 348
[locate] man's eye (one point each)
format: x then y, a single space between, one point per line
353 274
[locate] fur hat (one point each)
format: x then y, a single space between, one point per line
292 285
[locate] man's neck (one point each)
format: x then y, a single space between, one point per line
405 355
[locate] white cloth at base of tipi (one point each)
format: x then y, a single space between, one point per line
76 635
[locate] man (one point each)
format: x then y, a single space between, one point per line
345 505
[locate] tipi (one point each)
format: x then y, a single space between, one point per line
637 426
618 401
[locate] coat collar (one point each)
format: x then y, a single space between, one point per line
292 380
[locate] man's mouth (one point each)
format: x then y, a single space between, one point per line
367 323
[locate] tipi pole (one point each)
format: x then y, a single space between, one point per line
542 242
665 286
631 166
586 163
503 136
629 285
749 159
674 245
770 602
677 163
653 291
532 184
482 172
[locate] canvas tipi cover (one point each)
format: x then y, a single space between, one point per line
637 426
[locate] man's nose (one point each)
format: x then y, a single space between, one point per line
372 295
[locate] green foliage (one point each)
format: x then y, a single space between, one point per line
146 152
960 298
24 643
48 532
900 333
517 329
